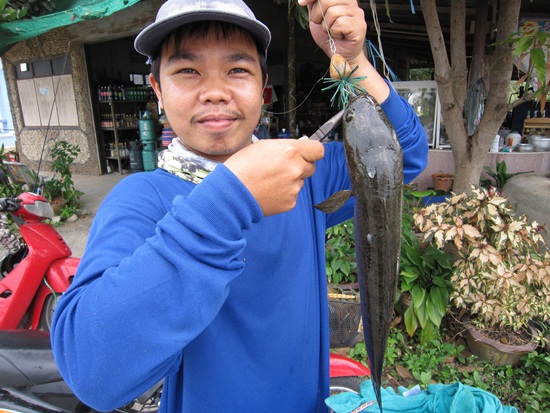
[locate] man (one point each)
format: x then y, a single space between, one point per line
210 271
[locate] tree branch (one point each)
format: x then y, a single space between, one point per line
527 97
451 109
500 72
437 42
458 51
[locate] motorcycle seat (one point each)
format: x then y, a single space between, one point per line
26 359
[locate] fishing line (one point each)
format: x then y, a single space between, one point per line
379 36
306 98
331 43
332 46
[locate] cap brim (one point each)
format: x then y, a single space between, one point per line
149 40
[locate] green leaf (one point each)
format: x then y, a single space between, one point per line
418 295
422 315
425 378
433 312
439 281
440 298
522 45
411 275
406 286
538 57
414 256
411 323
422 194
21 13
502 168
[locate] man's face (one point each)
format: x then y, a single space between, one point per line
211 90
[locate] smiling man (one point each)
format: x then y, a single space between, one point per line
210 85
209 272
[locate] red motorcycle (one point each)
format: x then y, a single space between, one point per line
37 268
35 271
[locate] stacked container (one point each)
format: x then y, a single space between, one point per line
148 138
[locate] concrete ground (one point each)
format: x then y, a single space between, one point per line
530 195
95 188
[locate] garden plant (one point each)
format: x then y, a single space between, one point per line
501 277
61 184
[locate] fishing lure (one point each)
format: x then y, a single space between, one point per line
341 74
342 79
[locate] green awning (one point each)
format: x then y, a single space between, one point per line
66 12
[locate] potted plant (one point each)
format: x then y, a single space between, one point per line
501 276
500 176
53 192
343 290
442 181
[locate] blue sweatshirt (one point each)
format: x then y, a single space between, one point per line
191 283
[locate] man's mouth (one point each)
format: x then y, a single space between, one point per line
217 121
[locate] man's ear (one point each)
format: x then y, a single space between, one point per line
156 88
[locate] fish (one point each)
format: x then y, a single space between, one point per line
375 162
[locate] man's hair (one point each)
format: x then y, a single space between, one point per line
199 30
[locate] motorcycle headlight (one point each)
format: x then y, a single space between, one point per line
40 209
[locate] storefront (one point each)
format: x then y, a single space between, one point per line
50 87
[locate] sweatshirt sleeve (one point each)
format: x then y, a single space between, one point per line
410 132
149 282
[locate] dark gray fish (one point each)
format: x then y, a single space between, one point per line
375 164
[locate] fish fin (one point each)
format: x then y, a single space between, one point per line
334 202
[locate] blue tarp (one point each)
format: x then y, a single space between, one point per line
437 398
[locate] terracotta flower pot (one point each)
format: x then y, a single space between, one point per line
443 182
58 204
496 352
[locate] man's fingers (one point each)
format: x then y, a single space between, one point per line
311 150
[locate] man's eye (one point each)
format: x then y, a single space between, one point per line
239 70
188 70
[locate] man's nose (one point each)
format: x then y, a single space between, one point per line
215 89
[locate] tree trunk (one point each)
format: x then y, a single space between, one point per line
469 152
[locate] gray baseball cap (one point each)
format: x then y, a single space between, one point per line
176 13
